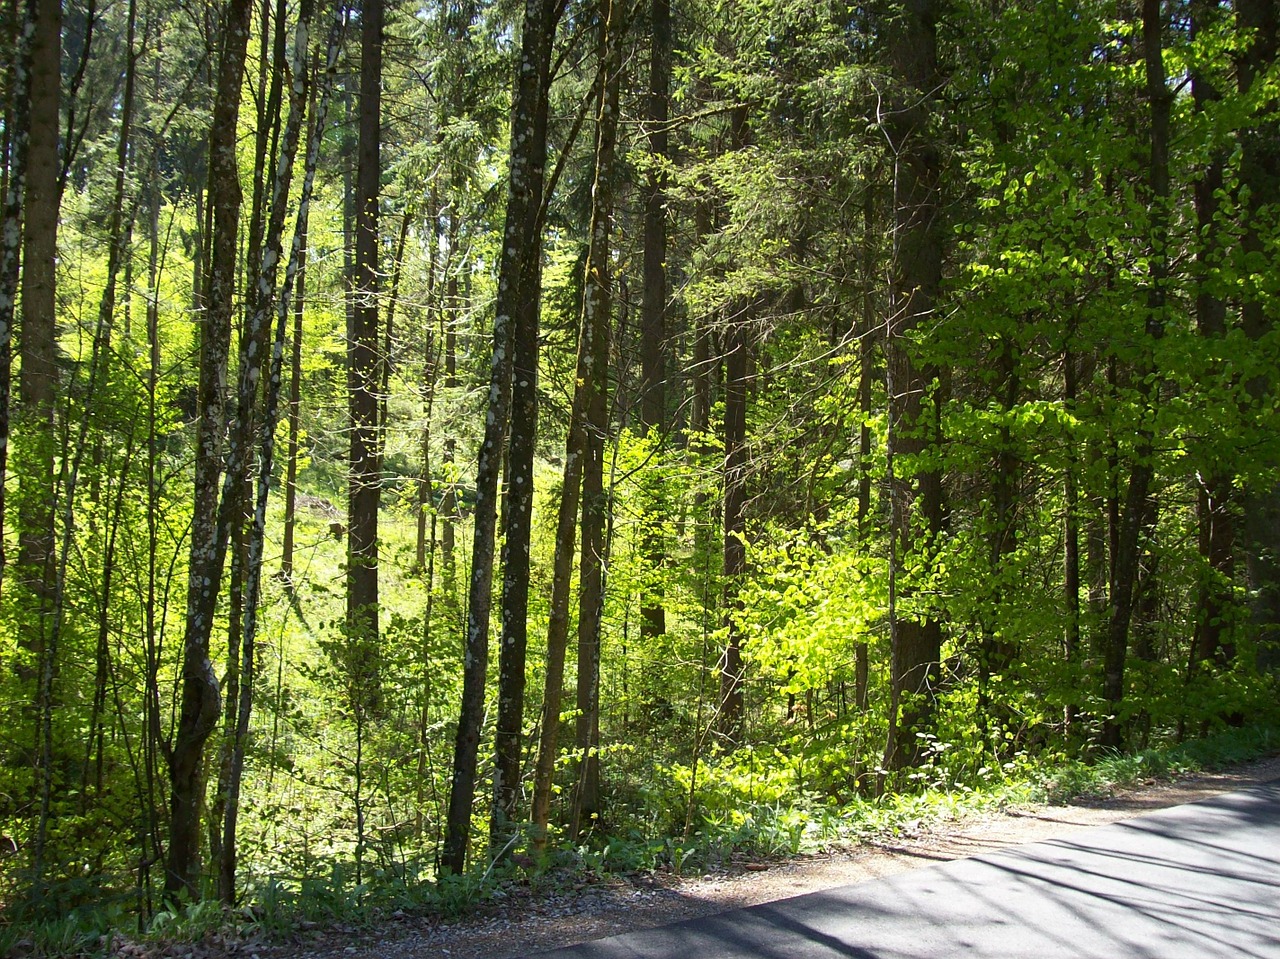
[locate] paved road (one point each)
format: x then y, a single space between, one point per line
1195 881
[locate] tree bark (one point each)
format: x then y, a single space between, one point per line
363 380
201 700
997 653
736 370
597 307
1071 534
653 309
514 634
521 250
561 584
251 368
1215 496
451 314
38 344
1260 172
1136 516
18 139
295 411
430 375
34 426
866 375
916 499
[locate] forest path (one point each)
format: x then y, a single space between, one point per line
1195 881
524 924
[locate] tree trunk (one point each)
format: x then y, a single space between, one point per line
998 653
271 71
38 334
18 136
1071 535
449 497
426 506
561 584
119 230
149 845
736 370
1215 496
1260 173
916 500
251 367
521 249
1135 516
653 307
387 366
363 381
866 376
34 424
430 375
518 530
597 307
200 702
295 410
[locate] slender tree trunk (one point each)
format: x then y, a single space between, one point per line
653 308
561 585
916 500
426 506
271 72
387 366
363 381
1260 173
430 374
597 308
735 359
998 653
92 787
518 528
866 377
1135 515
521 248
201 700
17 133
118 234
295 368
706 365
1071 535
736 371
1215 495
238 485
272 249
148 852
295 410
458 21
866 361
451 314
38 340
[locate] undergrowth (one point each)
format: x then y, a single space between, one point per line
717 835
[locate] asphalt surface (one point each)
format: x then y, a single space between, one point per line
1196 881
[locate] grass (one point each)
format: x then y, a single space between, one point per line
778 829
1079 780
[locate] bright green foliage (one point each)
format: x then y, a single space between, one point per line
781 209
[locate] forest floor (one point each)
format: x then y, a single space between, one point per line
523 919
521 923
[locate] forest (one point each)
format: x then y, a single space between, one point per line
442 441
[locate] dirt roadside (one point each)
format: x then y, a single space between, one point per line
522 924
